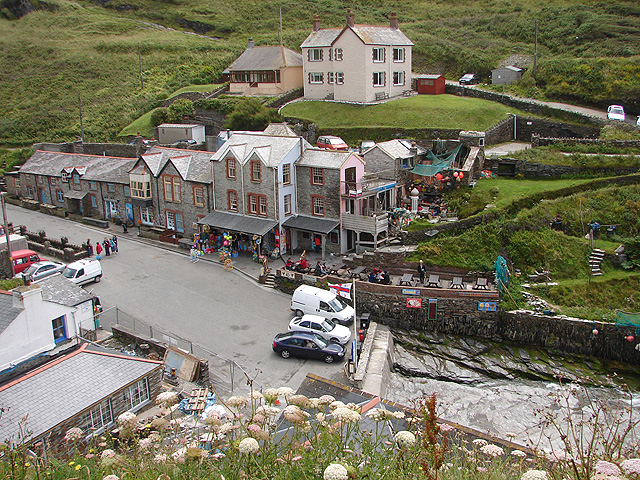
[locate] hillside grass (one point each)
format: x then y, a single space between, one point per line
420 111
196 88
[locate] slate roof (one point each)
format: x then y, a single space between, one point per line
98 168
265 58
192 165
311 224
59 289
398 148
271 149
238 223
319 157
65 387
179 125
368 34
8 312
279 130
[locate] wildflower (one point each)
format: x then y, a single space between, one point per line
108 453
217 456
78 467
73 434
336 404
321 417
398 415
271 395
286 392
405 439
256 395
445 428
479 442
492 450
89 455
518 453
258 418
313 403
299 400
167 399
631 466
294 414
72 463
296 458
160 458
128 423
335 471
249 445
346 415
376 414
534 475
111 477
326 400
268 411
145 444
607 468
253 428
159 424
237 401
227 427
179 455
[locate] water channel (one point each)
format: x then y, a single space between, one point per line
505 390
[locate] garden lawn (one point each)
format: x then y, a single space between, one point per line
420 111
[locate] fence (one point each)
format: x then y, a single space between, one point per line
226 376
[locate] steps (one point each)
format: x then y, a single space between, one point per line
595 261
270 281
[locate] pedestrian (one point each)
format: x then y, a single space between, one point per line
125 228
422 270
98 250
107 246
114 244
89 247
193 253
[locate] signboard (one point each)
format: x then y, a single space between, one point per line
414 303
309 279
411 291
288 274
487 306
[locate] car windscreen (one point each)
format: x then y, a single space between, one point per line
336 305
32 269
69 272
328 325
322 343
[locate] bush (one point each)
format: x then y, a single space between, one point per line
158 116
179 109
250 114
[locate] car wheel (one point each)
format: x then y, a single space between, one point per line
299 313
285 354
328 359
97 280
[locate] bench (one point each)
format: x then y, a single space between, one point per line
382 96
406 279
96 222
457 283
481 284
433 281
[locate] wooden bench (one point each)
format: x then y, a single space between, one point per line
433 281
382 96
406 279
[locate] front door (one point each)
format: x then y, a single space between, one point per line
43 197
110 209
129 209
171 220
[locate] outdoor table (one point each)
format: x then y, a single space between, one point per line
457 283
481 284
433 281
333 268
407 279
356 272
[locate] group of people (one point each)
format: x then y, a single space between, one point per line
108 245
300 266
378 275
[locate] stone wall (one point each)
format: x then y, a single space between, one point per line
543 141
527 127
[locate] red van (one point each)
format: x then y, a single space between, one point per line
22 259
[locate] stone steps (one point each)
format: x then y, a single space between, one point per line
270 281
595 261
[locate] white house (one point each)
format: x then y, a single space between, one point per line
42 319
357 63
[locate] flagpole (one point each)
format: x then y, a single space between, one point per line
355 317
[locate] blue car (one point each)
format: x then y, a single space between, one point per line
307 345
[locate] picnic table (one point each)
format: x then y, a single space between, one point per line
334 267
457 283
406 279
357 272
433 281
481 284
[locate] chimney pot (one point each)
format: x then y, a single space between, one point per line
350 18
316 23
393 21
251 43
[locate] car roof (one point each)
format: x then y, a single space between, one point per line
25 251
81 263
313 318
46 262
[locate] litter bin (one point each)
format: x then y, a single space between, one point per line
364 320
361 334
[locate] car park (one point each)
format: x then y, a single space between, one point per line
616 112
331 142
469 79
39 270
307 345
324 327
316 301
83 271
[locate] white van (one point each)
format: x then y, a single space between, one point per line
83 271
308 299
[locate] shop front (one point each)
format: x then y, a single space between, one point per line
313 234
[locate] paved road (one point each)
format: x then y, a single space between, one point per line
225 312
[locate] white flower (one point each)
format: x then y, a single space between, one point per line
299 400
405 439
607 468
249 445
518 453
631 466
399 415
286 392
73 434
534 475
268 411
160 458
376 414
226 428
237 401
294 414
326 400
335 471
479 442
128 423
336 404
445 428
111 477
346 415
167 399
271 392
256 395
492 450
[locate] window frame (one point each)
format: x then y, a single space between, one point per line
316 78
111 188
286 174
255 167
198 190
94 200
377 52
59 195
339 78
318 198
399 55
148 217
232 194
399 73
379 75
98 417
338 54
59 328
137 391
171 188
286 204
231 168
317 173
52 181
330 77
315 54
255 204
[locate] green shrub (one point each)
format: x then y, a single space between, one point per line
179 109
158 116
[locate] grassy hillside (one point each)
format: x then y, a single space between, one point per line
588 51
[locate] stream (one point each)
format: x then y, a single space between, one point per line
507 390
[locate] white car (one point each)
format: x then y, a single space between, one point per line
324 327
615 112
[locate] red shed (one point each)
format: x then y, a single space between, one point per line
430 84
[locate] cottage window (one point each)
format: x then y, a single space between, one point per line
315 55
29 191
52 180
338 54
398 54
340 78
111 188
316 77
286 173
256 171
59 330
317 176
330 78
99 417
76 178
94 201
287 204
146 215
231 168
318 205
232 200
378 79
253 204
136 394
140 189
198 196
262 203
172 192
60 196
398 78
126 190
378 54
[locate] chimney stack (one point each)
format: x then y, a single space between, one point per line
393 21
316 23
251 43
350 18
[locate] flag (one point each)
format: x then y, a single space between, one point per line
341 289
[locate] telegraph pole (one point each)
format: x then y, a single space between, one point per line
535 51
140 61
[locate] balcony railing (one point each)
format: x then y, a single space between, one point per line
373 224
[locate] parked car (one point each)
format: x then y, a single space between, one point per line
615 112
187 141
366 145
307 345
469 79
39 270
332 143
327 329
316 301
23 259
83 271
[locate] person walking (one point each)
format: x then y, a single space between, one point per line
89 248
194 254
114 244
107 246
98 250
422 270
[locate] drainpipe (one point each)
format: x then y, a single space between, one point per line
213 185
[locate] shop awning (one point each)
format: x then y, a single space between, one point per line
311 224
238 223
75 194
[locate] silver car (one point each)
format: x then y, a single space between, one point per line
324 327
40 270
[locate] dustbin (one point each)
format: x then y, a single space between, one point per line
364 320
361 334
